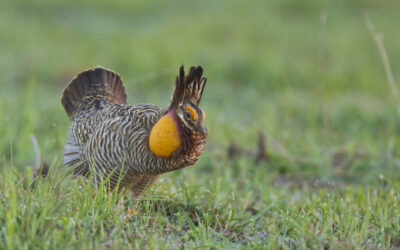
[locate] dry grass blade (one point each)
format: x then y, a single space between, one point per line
261 153
378 38
37 152
41 167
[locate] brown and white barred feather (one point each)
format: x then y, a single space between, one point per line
88 91
110 139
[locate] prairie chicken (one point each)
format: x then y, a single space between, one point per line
132 144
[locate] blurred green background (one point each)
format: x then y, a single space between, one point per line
305 73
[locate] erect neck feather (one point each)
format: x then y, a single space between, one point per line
166 135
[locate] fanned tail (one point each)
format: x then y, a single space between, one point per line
92 89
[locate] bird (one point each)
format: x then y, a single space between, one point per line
130 146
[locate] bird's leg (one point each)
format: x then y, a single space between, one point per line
143 184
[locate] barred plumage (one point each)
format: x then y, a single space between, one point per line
109 138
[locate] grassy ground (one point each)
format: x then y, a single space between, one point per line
307 74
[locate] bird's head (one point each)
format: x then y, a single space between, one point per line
186 99
183 116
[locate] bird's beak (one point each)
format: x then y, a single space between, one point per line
202 130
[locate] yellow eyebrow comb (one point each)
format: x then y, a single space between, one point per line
192 112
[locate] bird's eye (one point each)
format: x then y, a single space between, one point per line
187 116
191 113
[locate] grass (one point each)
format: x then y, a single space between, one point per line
307 74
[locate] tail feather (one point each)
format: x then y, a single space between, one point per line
94 88
72 158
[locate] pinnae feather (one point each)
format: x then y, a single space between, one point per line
189 87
